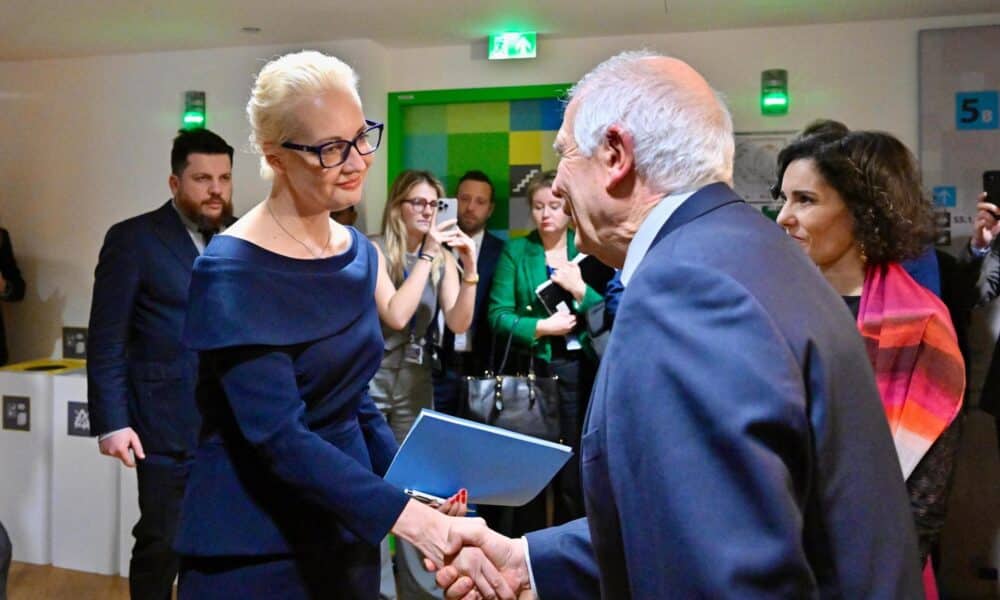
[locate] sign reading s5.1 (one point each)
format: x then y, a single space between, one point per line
976 110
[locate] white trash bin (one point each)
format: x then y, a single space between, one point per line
26 455
84 485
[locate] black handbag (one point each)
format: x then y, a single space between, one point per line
523 403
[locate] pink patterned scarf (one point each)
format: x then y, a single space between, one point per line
918 367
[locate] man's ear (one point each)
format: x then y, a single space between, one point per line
175 184
617 156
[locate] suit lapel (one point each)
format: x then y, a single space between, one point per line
171 232
701 202
489 253
486 264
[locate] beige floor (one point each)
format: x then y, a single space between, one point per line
34 582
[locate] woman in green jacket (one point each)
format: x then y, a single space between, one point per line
557 342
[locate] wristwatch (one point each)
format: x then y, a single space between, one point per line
471 279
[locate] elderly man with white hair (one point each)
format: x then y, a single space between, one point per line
735 444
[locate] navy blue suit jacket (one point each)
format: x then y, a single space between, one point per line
486 265
139 373
735 444
15 285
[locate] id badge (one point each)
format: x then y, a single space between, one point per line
414 353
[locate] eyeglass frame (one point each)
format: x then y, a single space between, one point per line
353 143
424 203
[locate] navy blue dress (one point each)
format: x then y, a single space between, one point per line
286 497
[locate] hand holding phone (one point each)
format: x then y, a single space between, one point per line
991 185
986 225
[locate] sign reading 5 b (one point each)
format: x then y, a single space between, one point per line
976 110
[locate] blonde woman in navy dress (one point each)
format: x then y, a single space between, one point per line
286 497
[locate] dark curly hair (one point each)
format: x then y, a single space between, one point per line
879 180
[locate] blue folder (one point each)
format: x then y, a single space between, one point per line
443 454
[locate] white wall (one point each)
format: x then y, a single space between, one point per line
862 73
85 142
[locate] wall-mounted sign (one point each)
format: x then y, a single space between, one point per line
774 92
977 110
506 46
194 116
74 342
17 413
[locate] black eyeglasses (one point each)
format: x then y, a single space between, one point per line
335 153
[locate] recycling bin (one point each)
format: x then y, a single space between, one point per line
84 485
26 455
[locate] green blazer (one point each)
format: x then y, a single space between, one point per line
520 270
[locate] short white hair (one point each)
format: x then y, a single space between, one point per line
681 142
281 85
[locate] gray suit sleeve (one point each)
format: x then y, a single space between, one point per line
988 282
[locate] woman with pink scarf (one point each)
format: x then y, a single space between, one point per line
853 201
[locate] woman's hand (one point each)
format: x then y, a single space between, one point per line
567 276
440 538
466 248
560 323
456 506
440 234
435 236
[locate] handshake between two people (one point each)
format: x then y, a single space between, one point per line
470 561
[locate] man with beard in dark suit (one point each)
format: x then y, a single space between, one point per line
141 378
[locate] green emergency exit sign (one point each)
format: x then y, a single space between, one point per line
505 46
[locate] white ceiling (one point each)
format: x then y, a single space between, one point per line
32 29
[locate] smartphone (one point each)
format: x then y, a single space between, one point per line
447 209
991 185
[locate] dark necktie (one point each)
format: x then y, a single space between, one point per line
206 234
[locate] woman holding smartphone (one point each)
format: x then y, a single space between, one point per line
412 250
418 277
